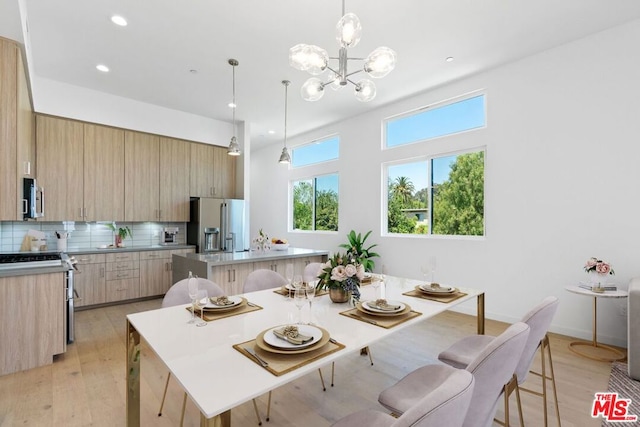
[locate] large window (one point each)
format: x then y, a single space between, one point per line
318 151
315 203
438 195
435 121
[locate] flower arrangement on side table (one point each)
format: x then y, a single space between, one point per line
598 270
341 274
262 242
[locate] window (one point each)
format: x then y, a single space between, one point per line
315 203
438 195
316 152
436 121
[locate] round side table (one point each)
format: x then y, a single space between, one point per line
595 350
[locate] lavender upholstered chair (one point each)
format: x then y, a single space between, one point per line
261 279
178 294
539 319
492 369
311 271
444 404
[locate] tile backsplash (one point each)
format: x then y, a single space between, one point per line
85 235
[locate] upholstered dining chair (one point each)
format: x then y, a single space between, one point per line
539 318
311 271
493 367
176 295
445 403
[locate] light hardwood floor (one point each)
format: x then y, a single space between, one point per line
86 385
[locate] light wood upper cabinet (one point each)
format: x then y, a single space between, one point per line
201 172
224 173
142 177
103 173
174 179
17 140
60 167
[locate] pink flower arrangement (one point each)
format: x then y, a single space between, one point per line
599 266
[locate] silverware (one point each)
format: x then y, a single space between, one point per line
255 355
250 304
373 322
332 340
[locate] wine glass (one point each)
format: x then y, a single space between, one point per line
311 293
289 276
202 299
192 285
297 281
300 299
429 269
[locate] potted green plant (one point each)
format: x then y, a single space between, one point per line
121 233
356 249
341 275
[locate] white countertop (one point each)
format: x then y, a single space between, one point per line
222 258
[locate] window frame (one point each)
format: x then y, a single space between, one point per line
312 177
384 231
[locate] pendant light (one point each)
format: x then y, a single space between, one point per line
234 148
284 157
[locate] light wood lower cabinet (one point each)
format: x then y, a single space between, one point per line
155 272
123 276
231 277
90 280
32 311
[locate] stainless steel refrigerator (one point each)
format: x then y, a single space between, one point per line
216 225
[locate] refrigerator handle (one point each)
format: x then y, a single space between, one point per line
223 226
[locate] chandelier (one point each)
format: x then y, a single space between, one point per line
234 148
315 61
284 157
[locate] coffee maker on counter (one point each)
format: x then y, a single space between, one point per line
169 236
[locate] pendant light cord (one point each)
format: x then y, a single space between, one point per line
286 88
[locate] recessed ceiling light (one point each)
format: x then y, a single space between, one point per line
271 131
103 68
119 20
193 71
449 59
232 105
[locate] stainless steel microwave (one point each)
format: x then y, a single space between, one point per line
32 197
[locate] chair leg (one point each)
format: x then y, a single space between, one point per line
333 370
184 406
369 353
255 407
269 406
552 377
507 389
322 380
164 394
519 402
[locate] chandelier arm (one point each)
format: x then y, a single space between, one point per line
355 72
357 59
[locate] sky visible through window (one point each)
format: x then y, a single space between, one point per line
316 152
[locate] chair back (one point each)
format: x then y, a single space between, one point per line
179 293
493 368
446 405
311 271
539 319
261 279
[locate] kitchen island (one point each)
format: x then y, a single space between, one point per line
230 269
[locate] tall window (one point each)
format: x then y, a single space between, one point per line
315 203
435 121
438 195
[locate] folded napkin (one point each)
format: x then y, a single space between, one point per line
291 334
382 304
223 300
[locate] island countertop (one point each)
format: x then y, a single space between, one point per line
225 258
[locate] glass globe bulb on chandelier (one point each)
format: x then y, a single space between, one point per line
315 60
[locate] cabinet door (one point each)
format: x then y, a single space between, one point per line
231 277
90 285
8 104
153 277
201 170
26 137
174 180
142 177
103 173
59 144
224 174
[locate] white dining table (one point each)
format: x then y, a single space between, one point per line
217 377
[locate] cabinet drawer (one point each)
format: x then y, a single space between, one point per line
122 274
147 255
119 290
123 265
91 258
123 256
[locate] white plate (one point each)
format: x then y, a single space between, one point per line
234 300
271 339
440 290
377 310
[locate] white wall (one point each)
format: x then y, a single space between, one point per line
561 182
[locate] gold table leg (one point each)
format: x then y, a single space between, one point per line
577 346
222 420
480 314
133 376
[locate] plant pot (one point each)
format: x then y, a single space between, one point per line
118 241
339 295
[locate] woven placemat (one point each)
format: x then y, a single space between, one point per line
280 364
440 298
286 292
245 307
383 322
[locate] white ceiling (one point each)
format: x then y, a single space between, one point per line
151 58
